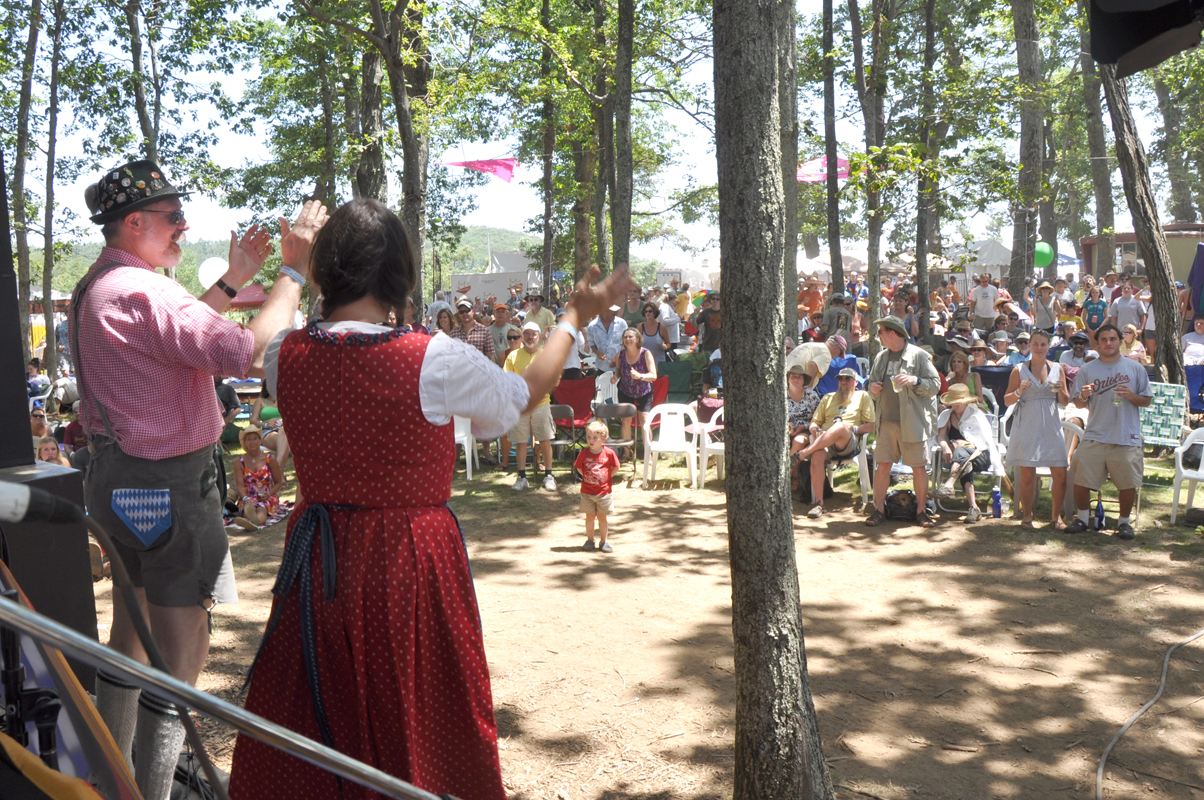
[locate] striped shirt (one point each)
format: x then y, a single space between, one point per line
150 351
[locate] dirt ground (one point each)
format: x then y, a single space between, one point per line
956 662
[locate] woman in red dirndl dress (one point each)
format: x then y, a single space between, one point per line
374 646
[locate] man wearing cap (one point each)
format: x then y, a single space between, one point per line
1077 355
499 329
1111 289
152 479
472 332
1045 308
605 334
999 344
904 384
837 319
1114 389
537 424
982 302
538 314
841 417
816 357
1022 353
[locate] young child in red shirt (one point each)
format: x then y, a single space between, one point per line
597 466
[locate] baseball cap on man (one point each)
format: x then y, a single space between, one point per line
463 302
848 372
128 188
840 342
500 307
1079 336
532 326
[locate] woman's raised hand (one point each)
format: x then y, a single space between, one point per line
590 298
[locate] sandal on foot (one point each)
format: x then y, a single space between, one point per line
1027 524
876 518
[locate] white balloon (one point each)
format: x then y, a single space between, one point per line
210 270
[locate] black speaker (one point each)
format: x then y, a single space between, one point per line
51 562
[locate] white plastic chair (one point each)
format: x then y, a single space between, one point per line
1182 473
605 391
672 419
863 366
46 391
465 439
708 448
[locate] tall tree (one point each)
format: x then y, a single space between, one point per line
925 189
1028 185
834 258
20 207
1172 150
603 110
620 201
1151 241
778 751
52 130
1097 145
872 83
548 116
788 108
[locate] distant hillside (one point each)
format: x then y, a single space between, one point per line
473 253
69 269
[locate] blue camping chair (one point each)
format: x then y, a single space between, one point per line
1195 383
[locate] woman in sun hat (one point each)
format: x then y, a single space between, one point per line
967 445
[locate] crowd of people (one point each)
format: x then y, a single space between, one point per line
374 581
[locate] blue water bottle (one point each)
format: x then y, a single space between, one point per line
1099 515
996 504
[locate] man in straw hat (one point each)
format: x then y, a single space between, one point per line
904 384
134 328
841 417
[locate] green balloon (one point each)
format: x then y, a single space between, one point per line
1044 255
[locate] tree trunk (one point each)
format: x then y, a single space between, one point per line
830 151
351 124
584 166
925 199
20 211
871 94
371 176
326 187
620 202
1097 146
1135 173
1176 164
788 110
1047 228
150 132
51 359
604 126
810 250
777 742
548 115
1028 188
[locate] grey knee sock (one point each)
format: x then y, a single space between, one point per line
117 702
160 736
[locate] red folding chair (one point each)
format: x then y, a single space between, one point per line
578 395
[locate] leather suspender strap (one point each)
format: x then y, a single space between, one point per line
76 298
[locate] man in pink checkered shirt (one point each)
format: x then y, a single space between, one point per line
146 353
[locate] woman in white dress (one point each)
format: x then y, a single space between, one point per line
1037 387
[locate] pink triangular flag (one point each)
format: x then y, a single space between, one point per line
498 167
816 170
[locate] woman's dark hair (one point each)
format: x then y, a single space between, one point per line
650 307
363 250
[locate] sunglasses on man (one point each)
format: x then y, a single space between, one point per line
175 217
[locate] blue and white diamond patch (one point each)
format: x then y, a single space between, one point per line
146 512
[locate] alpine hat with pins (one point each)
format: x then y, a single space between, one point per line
128 188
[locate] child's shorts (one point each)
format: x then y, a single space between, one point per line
602 504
